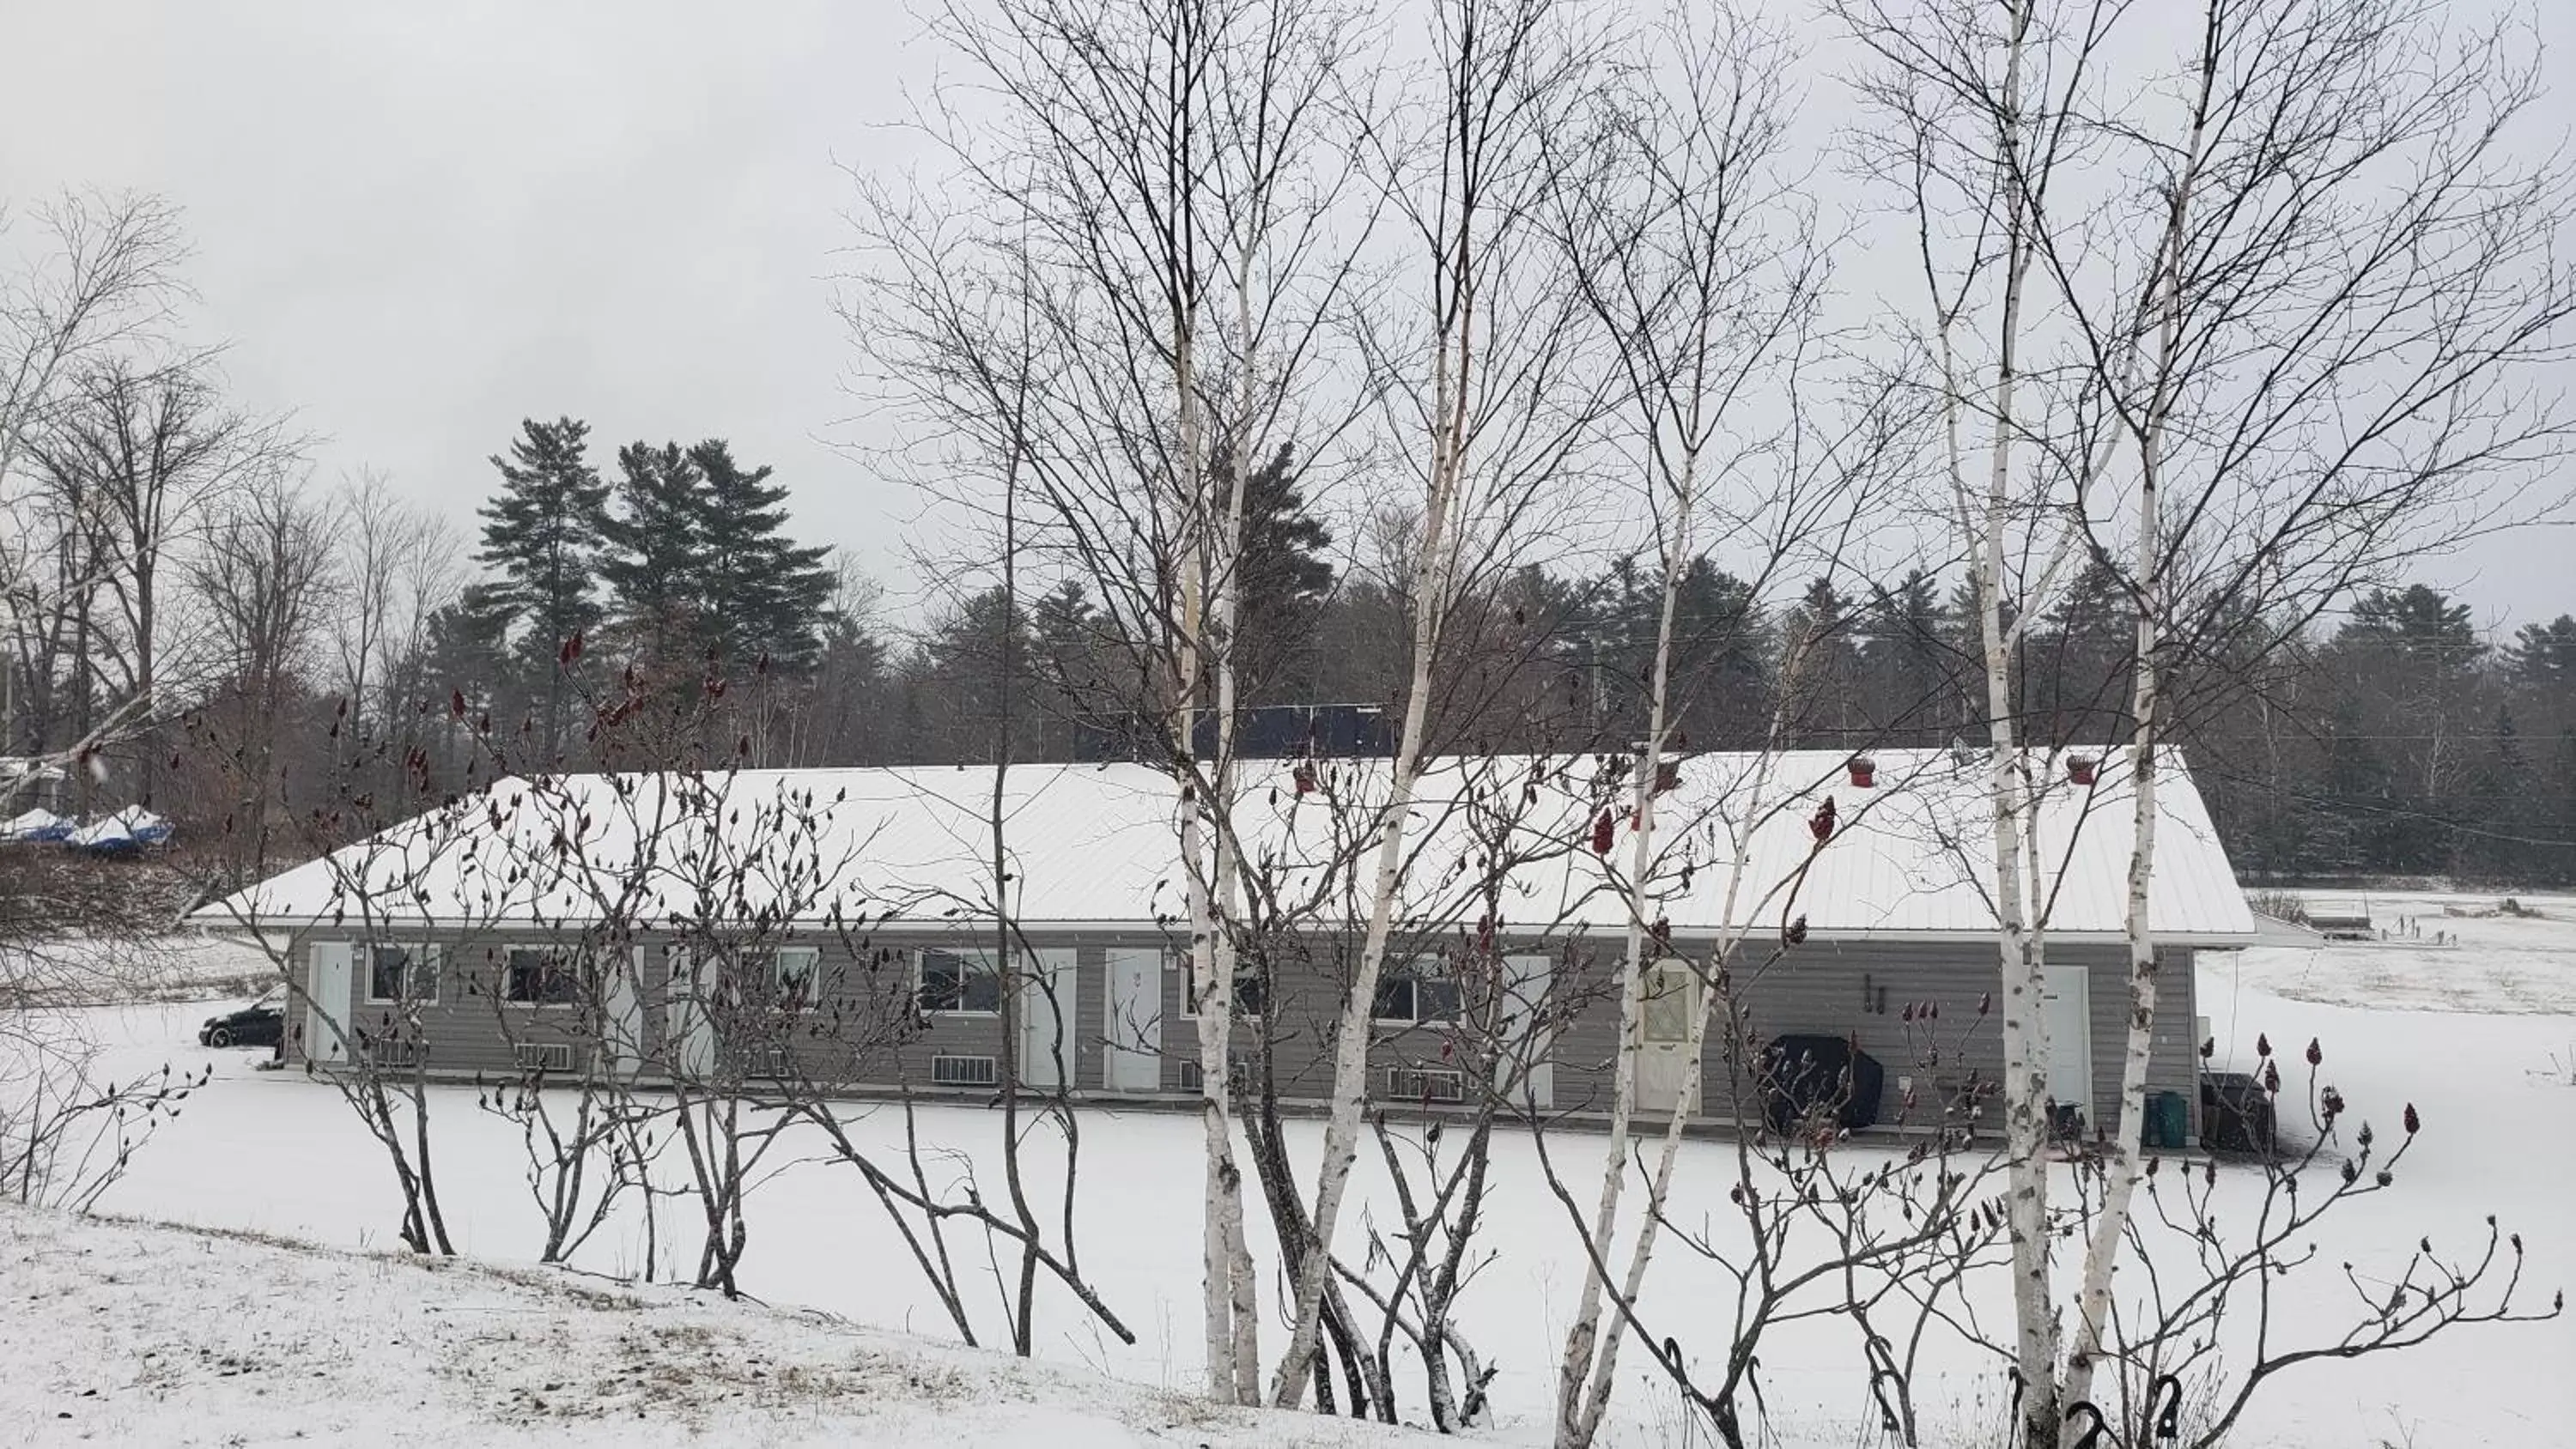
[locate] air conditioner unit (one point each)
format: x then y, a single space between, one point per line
965 1072
1412 1084
543 1056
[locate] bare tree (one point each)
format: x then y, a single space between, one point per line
2320 361
1697 261
262 576
1141 281
1979 109
1488 396
157 455
103 277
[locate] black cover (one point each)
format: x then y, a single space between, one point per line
1802 1074
2235 1113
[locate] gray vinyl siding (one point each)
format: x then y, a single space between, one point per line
1836 989
854 1034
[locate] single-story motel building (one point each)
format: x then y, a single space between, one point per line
837 928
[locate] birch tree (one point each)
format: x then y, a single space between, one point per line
1136 283
1698 262
1488 395
2321 359
1977 110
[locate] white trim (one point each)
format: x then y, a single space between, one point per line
813 969
537 1005
424 957
982 957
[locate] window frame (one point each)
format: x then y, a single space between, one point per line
977 962
421 958
568 968
1412 977
804 992
1180 961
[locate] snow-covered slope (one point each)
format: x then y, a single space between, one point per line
146 1334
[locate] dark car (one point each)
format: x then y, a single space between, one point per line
259 1024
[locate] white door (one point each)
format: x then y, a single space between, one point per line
692 1029
1525 1073
2067 1009
326 1003
1048 1037
1133 1058
622 1010
1671 1004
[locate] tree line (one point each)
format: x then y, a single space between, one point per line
327 632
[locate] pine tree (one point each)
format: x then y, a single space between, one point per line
1825 706
1073 685
655 565
1914 671
2543 656
764 596
1284 580
2077 662
541 537
1722 658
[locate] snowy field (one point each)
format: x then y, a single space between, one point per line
2501 963
2482 1038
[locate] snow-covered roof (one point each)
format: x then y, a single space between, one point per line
1095 846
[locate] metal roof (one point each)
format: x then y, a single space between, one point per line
1095 846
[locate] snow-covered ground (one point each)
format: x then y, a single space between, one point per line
2499 963
2485 1051
118 1333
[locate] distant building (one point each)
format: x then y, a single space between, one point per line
835 928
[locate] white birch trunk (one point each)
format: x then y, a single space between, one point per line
2025 1080
1434 576
2126 1163
1211 987
1582 1428
1586 1366
1243 1300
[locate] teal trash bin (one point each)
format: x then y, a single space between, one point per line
2168 1124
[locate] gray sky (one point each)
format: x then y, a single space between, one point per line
417 224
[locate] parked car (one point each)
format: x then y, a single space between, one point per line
259 1024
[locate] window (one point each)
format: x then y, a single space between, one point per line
1251 990
1671 1001
1413 996
796 968
959 982
400 973
540 976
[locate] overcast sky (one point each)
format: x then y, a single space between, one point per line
418 223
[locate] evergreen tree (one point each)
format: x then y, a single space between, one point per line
1284 580
1825 707
2543 657
2501 814
2558 861
1075 683
2077 662
655 565
541 538
1911 663
763 595
972 665
1722 659
469 652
